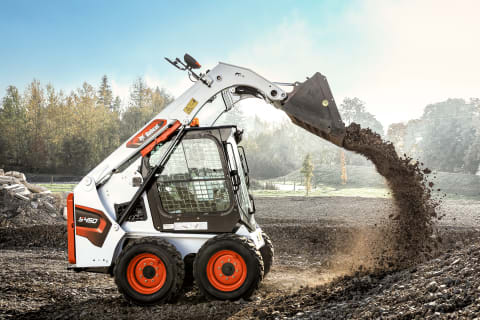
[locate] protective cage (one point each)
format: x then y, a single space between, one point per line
194 192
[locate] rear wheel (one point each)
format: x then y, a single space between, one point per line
228 267
149 271
267 253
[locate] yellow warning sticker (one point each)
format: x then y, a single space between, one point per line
190 106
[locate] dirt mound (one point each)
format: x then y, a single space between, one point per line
409 234
35 209
448 285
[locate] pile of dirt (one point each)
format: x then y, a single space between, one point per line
448 286
407 237
35 209
26 204
16 184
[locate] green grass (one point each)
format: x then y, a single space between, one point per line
326 191
58 187
320 191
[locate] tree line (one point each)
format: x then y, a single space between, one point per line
47 130
445 138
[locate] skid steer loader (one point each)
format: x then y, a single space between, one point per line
171 205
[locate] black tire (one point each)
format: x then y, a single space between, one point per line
267 252
149 249
250 273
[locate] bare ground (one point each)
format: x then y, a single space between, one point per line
313 239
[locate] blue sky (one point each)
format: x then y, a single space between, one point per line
66 42
397 56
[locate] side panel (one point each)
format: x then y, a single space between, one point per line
91 252
92 224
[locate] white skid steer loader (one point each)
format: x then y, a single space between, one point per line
171 205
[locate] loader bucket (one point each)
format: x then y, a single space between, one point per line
311 106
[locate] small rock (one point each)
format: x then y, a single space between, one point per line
455 262
432 286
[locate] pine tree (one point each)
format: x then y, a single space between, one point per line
117 104
307 171
105 96
139 94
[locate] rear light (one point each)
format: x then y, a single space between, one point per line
71 229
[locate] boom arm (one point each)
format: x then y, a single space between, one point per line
310 105
186 107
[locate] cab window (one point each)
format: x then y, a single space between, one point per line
193 180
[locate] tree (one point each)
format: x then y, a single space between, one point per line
144 104
396 134
13 124
447 133
472 156
35 115
307 171
117 104
105 95
139 95
354 110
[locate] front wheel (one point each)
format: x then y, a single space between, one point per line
228 267
149 271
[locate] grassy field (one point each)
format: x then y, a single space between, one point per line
58 187
326 191
320 191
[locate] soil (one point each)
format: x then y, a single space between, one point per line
37 209
407 236
309 279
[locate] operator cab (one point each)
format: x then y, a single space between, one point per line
203 186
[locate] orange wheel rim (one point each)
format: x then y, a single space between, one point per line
146 273
226 270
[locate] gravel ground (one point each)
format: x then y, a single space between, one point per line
308 234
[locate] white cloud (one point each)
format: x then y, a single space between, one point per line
425 51
397 56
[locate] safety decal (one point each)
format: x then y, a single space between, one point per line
190 226
190 106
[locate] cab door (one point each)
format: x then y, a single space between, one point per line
193 193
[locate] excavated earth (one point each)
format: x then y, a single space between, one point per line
318 242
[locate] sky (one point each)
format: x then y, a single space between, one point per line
397 56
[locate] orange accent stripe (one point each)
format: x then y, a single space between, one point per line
89 209
71 229
164 136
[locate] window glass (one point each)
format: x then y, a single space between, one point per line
157 153
193 180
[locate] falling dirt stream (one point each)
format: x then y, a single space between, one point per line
407 236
